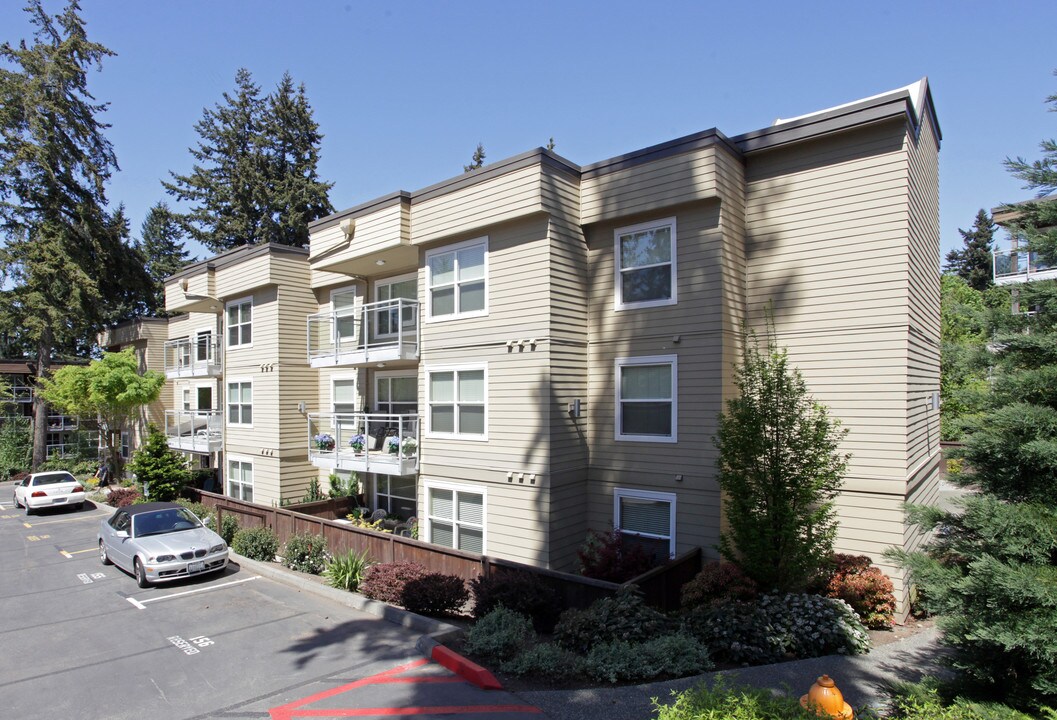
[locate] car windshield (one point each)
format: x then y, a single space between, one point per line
163 521
53 479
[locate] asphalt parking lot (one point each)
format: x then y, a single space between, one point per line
81 640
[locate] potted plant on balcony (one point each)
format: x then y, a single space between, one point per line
392 444
408 447
356 442
323 441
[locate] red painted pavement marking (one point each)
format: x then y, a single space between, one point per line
297 709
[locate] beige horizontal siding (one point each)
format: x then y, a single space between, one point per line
381 230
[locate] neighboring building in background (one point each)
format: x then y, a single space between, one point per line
67 435
1014 263
534 349
146 337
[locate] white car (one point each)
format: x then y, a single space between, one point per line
49 489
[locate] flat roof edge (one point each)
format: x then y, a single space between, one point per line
233 255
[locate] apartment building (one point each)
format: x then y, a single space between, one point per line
525 352
1014 263
146 337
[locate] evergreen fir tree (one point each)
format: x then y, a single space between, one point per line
477 161
254 175
67 266
162 247
163 469
780 470
973 263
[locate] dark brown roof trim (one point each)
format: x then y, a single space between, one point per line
362 209
684 144
539 156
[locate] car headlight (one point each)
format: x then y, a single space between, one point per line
217 548
162 558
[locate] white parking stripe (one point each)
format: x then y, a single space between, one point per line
142 604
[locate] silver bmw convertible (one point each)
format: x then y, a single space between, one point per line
160 541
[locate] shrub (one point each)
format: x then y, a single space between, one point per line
163 469
518 591
386 581
200 510
305 552
499 635
780 627
923 701
229 526
621 617
123 497
345 572
674 655
435 594
547 661
257 543
607 556
718 584
721 702
865 588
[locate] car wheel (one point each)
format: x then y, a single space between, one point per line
103 558
141 574
15 499
29 510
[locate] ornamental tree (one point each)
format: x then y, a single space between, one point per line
780 469
162 469
111 389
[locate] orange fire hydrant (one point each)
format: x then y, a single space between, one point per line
826 700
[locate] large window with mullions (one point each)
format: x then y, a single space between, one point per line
645 265
647 398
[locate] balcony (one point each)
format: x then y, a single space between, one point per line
196 431
199 357
62 423
364 442
1017 266
384 331
21 394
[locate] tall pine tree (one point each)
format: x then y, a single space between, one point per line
66 264
254 175
162 247
973 263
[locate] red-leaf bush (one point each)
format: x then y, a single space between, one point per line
435 594
718 584
865 588
386 581
608 556
519 592
122 497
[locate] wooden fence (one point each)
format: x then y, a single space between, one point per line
660 586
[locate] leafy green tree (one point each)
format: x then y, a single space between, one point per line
110 389
162 469
1036 221
963 358
163 250
780 470
973 262
66 263
254 174
477 161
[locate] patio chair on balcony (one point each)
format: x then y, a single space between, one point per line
379 514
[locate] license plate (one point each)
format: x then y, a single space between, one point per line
195 567
56 501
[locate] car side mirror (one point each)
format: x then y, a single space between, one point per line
123 534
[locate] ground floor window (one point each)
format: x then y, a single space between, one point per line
240 480
397 496
646 519
455 517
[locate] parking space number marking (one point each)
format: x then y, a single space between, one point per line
192 646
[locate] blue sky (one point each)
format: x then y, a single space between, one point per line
403 92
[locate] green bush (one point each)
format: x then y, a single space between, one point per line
676 655
519 591
229 525
721 702
435 594
305 552
258 543
499 635
779 627
621 617
345 572
546 661
924 701
163 469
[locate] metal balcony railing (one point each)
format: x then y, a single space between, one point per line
1020 266
62 423
199 431
364 442
192 357
376 332
21 394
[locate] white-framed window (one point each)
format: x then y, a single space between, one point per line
240 402
396 495
343 395
455 516
185 353
240 479
647 519
647 398
458 401
387 322
240 323
204 346
343 305
457 280
186 398
644 260
126 444
395 393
